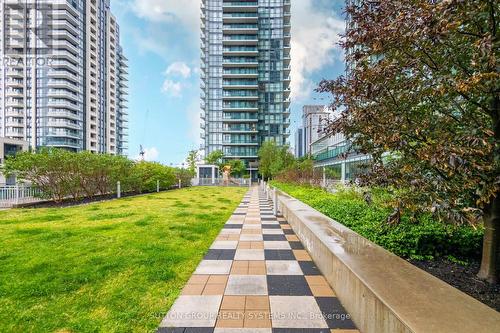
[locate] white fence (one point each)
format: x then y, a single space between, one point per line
16 195
220 182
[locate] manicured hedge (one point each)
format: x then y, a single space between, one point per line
425 238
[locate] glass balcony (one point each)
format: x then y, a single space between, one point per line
240 93
239 128
240 37
240 105
240 15
239 82
240 60
240 117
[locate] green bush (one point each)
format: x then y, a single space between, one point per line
145 175
426 238
61 174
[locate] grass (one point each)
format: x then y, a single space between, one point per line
426 238
115 266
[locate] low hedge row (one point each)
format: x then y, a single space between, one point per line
425 239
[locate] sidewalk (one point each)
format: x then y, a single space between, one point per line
257 277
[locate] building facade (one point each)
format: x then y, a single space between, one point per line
314 120
245 71
63 75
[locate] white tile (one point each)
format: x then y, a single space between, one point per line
245 254
276 245
246 285
242 330
296 311
283 267
272 232
224 245
252 226
251 238
193 311
214 267
230 232
270 222
232 221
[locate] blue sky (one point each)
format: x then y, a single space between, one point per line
161 41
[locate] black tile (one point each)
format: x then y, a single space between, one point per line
268 218
271 226
279 255
288 285
296 245
288 232
214 254
301 330
233 226
279 238
309 268
334 313
199 330
170 330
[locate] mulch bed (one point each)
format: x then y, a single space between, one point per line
463 278
83 201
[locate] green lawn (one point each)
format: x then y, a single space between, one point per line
115 266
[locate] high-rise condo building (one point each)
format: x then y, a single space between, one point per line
63 75
245 75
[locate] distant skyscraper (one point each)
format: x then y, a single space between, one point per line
299 143
314 119
63 75
245 75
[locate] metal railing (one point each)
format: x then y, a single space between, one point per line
240 182
11 196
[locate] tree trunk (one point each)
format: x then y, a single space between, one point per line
490 264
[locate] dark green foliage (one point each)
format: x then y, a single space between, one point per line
422 239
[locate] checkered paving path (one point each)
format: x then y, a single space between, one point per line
257 277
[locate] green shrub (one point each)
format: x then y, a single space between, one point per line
426 238
145 175
61 174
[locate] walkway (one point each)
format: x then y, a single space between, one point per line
257 277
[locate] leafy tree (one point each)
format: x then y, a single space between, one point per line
192 159
145 175
425 86
216 158
274 159
184 176
238 167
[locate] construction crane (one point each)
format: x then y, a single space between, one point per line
142 153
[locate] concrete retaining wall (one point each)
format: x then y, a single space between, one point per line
382 292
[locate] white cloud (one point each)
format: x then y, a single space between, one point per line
150 154
315 35
175 88
179 68
187 12
172 88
